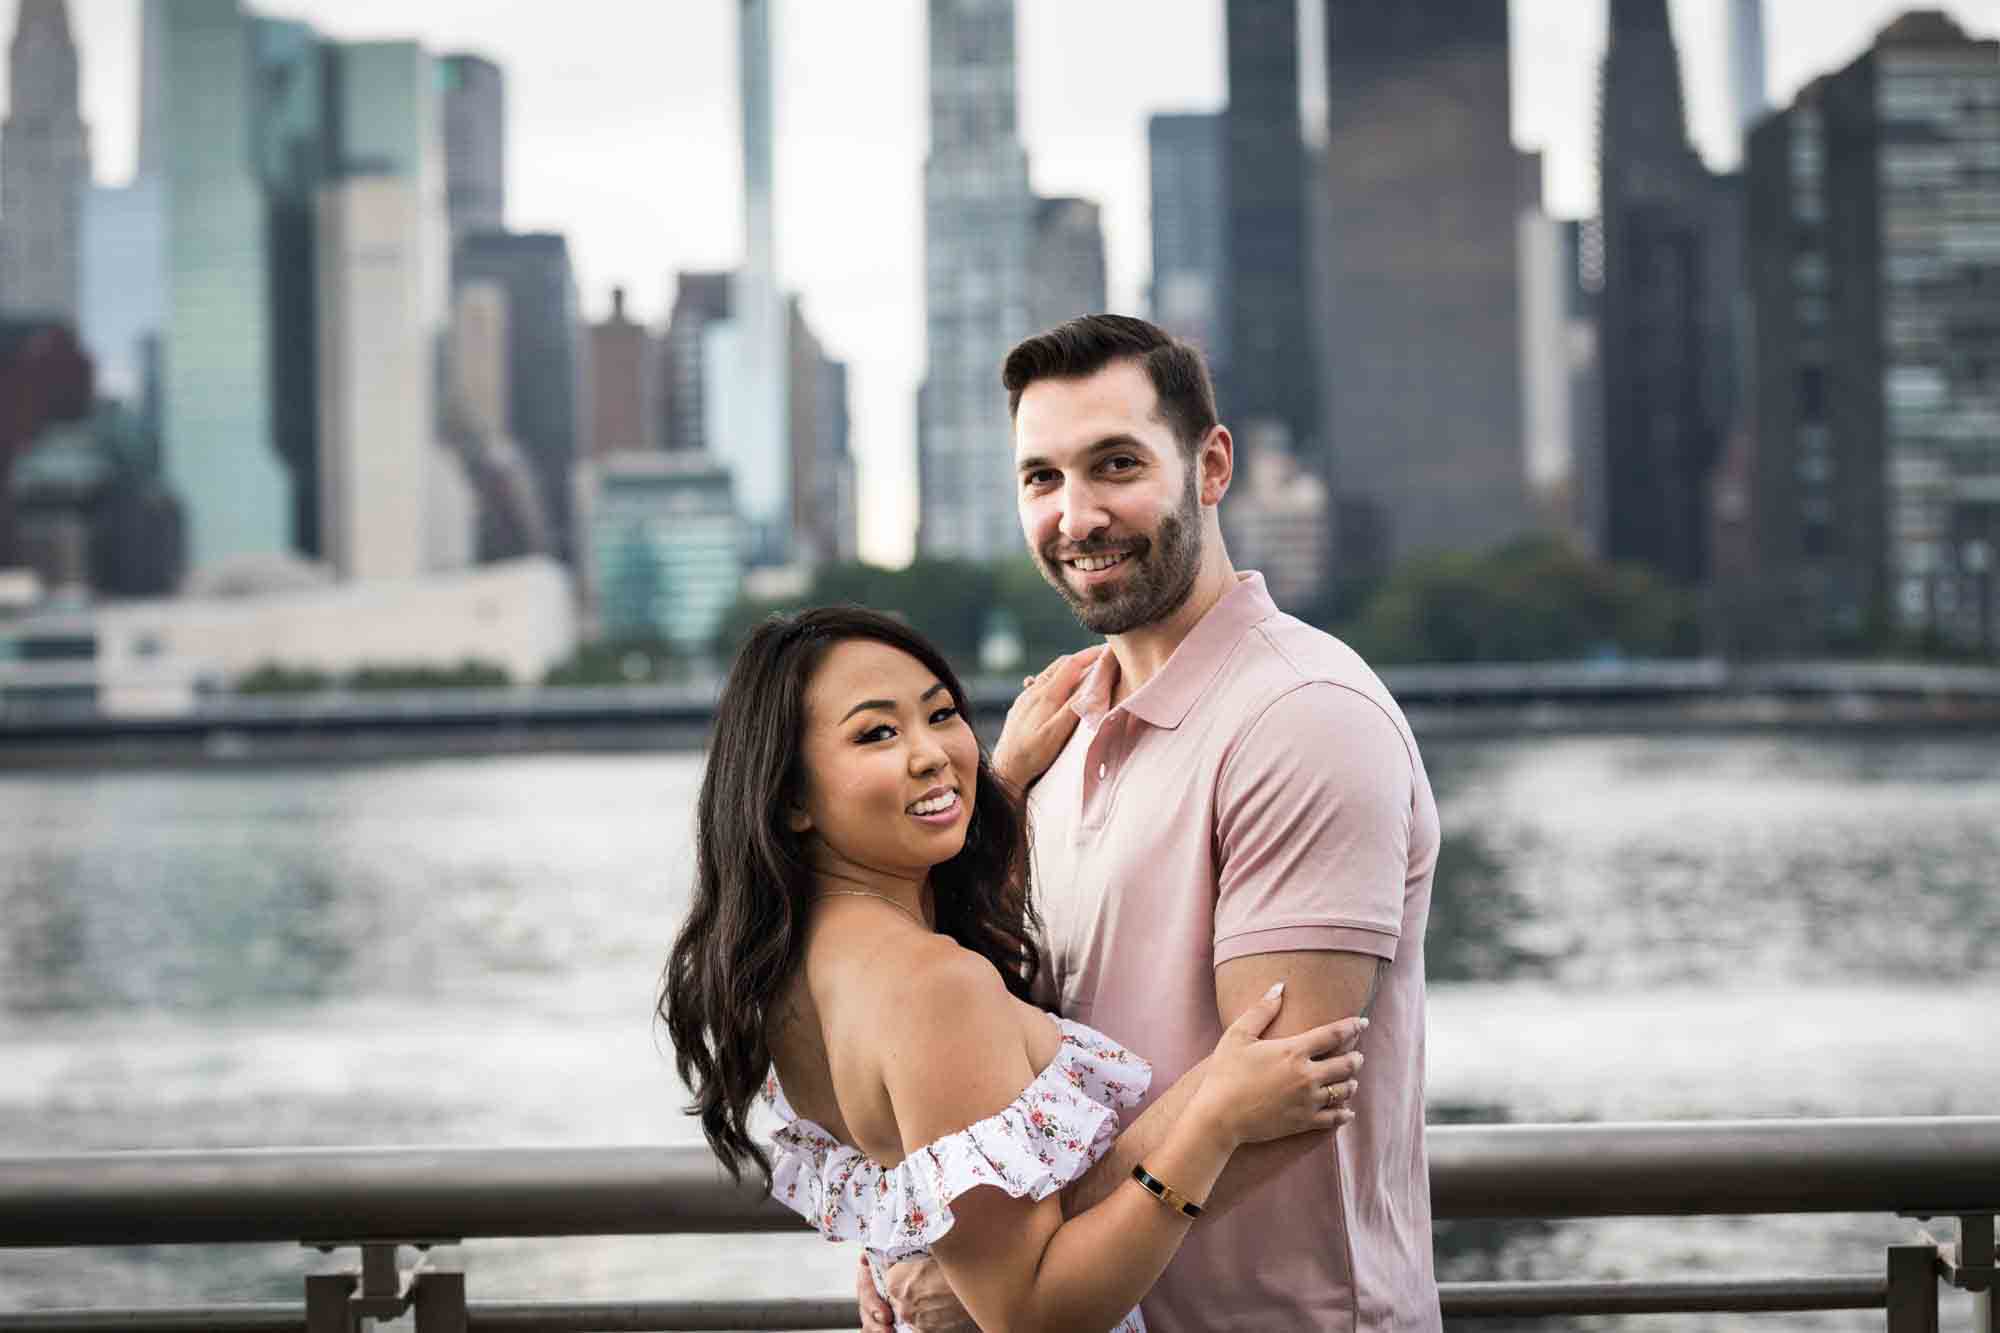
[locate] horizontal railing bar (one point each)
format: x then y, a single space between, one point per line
657 1316
278 1318
1461 1300
1942 1165
1473 1300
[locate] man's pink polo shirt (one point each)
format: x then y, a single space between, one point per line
1262 793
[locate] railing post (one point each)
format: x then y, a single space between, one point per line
327 1295
440 1302
1913 1289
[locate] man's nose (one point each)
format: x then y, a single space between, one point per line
1082 515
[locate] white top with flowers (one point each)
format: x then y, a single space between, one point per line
1048 1136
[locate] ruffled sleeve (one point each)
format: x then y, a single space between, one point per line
1059 1125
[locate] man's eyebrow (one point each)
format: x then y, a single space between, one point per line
1104 446
886 705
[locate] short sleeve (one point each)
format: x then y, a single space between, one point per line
1314 810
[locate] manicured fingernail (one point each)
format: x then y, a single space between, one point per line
1277 989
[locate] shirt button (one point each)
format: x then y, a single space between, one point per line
1102 769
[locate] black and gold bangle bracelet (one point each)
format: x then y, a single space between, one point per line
1166 1193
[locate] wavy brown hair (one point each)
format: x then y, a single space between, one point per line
745 931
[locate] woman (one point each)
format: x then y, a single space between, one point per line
860 952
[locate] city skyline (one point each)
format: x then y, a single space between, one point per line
851 143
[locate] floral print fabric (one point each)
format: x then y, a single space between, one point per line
1059 1125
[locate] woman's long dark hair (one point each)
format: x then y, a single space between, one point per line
745 931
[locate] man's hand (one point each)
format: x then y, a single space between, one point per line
923 1299
1040 722
876 1316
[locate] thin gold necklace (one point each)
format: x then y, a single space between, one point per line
864 893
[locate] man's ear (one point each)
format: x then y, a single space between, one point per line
1217 465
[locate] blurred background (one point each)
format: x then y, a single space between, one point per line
470 351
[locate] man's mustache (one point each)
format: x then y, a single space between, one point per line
1055 557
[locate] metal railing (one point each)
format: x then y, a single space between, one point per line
380 1201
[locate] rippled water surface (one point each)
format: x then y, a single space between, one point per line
465 952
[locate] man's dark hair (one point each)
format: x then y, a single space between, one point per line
1081 347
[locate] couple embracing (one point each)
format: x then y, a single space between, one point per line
1110 1075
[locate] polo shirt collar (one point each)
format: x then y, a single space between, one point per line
1164 701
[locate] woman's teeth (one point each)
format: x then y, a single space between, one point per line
935 805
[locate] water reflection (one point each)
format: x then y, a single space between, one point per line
1481 924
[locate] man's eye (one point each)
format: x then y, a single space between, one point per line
1042 478
1120 463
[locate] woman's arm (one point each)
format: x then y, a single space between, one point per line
956 1056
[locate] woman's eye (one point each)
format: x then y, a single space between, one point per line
873 734
944 715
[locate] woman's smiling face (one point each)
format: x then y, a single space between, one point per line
891 765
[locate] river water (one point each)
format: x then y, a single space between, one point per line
464 952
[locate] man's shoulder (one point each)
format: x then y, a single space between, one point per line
1284 658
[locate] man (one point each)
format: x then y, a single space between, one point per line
1241 802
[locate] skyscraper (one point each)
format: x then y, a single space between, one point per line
758 449
1746 64
1875 239
624 358
978 225
1423 365
1066 273
475 142
1190 219
216 402
1270 375
700 301
1671 271
293 145
544 357
44 168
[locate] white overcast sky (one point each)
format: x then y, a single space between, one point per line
623 125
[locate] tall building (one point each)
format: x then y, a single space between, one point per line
44 168
1547 439
623 361
1189 295
391 505
1874 493
1423 362
823 517
122 293
216 408
758 447
475 142
1747 80
544 359
1270 375
661 550
978 228
478 402
1672 269
1066 275
701 300
294 142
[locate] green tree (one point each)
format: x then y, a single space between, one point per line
1536 599
619 662
470 674
276 678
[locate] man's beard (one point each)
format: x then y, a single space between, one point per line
1164 569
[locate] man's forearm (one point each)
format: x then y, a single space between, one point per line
1249 1168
